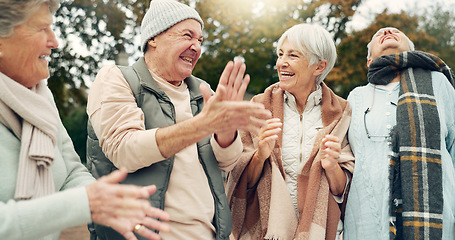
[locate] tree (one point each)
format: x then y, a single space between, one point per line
439 23
250 29
89 32
332 14
243 29
351 70
236 28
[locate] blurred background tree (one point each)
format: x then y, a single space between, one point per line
250 29
351 70
439 23
96 32
90 32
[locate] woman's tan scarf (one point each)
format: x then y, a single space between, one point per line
29 114
266 211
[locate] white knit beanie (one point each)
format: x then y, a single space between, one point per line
162 15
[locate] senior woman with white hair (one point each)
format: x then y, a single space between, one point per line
292 175
44 186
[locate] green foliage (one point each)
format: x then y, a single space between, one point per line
76 126
237 28
89 32
249 29
240 29
439 23
335 15
350 70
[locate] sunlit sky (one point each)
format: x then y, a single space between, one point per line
369 8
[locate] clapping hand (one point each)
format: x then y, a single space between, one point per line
226 109
125 208
331 150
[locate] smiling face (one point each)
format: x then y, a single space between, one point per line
388 41
175 52
296 76
24 53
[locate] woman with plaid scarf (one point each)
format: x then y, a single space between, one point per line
402 135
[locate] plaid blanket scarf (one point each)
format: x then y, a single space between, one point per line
416 200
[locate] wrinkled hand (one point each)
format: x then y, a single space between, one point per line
267 138
224 118
122 207
234 80
266 142
226 112
331 150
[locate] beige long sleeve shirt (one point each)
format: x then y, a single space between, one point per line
119 125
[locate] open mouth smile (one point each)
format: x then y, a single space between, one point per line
187 59
388 37
287 74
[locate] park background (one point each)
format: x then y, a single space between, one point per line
93 33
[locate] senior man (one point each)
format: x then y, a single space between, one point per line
163 125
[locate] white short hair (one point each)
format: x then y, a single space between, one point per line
314 42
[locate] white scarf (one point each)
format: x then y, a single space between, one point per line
32 118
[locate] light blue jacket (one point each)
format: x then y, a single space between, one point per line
45 217
367 209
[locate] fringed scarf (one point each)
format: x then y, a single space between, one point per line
416 200
266 211
31 117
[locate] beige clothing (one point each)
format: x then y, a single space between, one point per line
299 133
265 210
37 131
119 125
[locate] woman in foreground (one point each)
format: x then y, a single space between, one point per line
45 188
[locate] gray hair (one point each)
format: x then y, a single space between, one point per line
411 44
14 13
314 42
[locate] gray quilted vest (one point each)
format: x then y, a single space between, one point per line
159 112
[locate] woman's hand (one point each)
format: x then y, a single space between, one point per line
267 138
266 142
125 208
331 149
